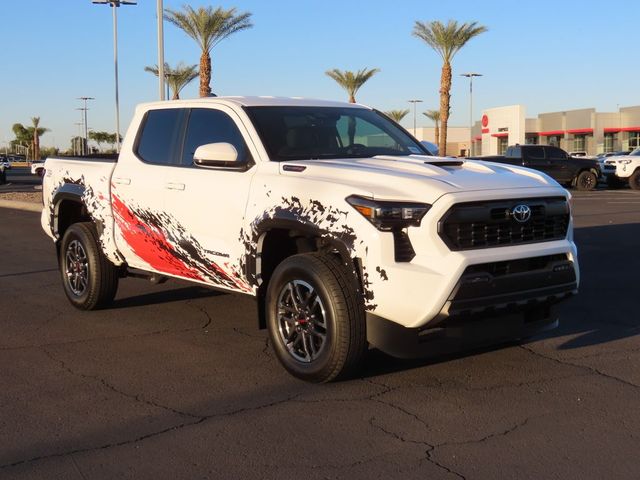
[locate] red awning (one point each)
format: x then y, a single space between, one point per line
630 129
552 132
580 130
501 134
612 130
478 137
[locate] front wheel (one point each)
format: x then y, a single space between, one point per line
315 317
634 180
586 181
90 280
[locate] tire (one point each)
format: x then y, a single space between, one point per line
313 302
634 180
586 180
89 279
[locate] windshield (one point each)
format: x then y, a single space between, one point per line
310 133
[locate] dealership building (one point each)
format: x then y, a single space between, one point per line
583 130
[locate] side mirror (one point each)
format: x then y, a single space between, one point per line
216 155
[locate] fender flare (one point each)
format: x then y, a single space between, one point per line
67 191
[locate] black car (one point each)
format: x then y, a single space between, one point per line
581 173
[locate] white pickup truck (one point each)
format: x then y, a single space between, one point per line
627 168
348 233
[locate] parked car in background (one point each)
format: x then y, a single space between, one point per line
37 168
432 148
3 174
627 169
580 173
4 161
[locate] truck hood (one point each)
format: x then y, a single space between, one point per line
416 177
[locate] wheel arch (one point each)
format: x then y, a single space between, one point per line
68 207
280 238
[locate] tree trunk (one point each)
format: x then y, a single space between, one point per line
445 97
176 95
352 98
437 132
205 74
36 147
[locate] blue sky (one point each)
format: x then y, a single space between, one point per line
548 55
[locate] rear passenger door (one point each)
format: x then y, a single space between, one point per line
208 204
560 165
138 187
534 157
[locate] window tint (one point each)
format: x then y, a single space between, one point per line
514 152
535 153
161 136
557 154
211 126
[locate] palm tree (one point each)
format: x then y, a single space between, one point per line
446 40
37 133
350 81
397 115
208 27
178 77
434 115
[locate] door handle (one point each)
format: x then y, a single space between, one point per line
174 186
122 181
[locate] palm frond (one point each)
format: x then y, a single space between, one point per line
397 115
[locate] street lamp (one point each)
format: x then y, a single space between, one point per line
470 76
84 109
414 115
160 15
114 4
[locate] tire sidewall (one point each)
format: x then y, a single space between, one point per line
81 234
634 180
583 175
298 268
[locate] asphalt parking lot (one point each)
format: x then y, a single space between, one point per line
175 381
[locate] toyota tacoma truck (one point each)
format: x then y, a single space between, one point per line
627 169
581 173
341 225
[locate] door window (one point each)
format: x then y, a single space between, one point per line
535 153
207 125
556 154
161 136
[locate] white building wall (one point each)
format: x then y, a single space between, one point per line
508 120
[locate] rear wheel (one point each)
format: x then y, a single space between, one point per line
586 180
634 180
315 317
90 280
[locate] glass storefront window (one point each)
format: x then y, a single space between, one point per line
531 140
634 140
579 143
609 142
503 143
554 140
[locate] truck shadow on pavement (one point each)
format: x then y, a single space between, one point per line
605 309
165 296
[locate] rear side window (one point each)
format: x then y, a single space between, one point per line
514 152
211 126
161 136
535 153
556 154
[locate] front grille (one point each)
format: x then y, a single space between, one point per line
474 225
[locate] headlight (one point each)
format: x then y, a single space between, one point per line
389 216
624 162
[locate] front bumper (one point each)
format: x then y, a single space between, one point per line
420 293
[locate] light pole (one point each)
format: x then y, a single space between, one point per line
470 76
414 115
160 15
86 128
114 5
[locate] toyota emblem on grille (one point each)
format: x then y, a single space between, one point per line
521 213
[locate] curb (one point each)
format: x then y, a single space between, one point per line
18 205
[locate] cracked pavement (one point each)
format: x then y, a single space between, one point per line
176 381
